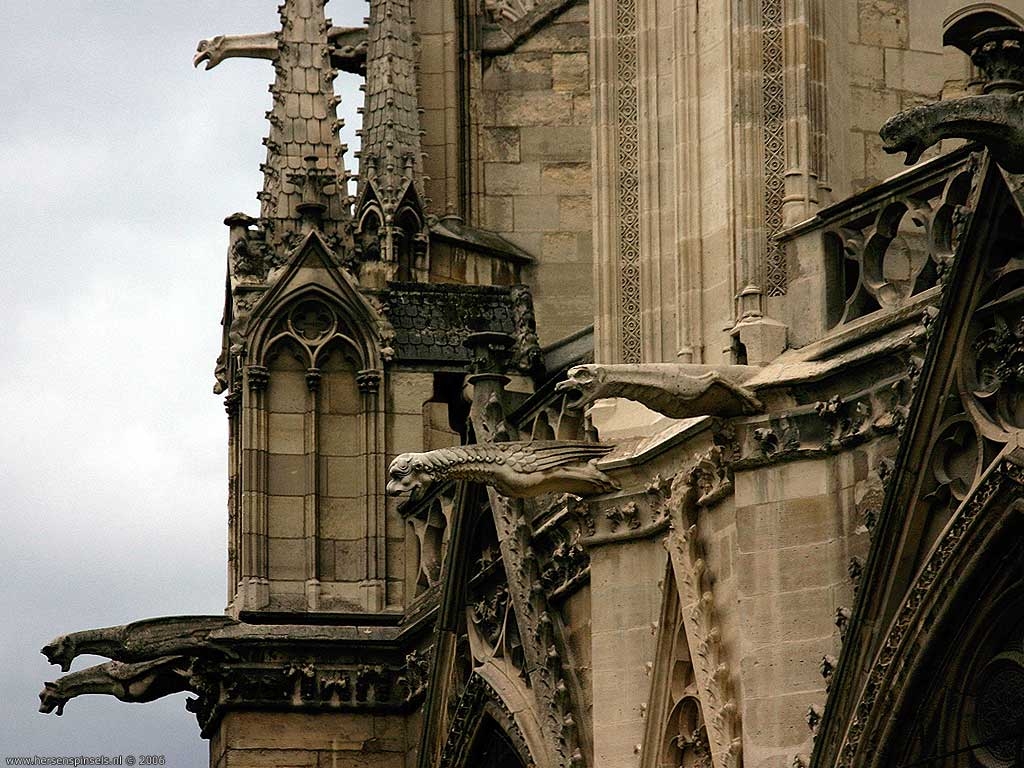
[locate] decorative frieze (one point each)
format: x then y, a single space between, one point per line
773 104
628 151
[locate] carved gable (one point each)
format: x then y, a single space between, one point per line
676 733
307 505
947 534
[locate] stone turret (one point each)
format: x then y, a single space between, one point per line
392 236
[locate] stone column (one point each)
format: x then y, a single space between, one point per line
689 274
255 592
311 499
806 178
233 407
375 587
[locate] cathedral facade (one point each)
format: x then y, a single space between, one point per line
632 405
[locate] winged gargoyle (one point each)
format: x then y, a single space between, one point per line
136 683
517 469
138 641
347 47
676 390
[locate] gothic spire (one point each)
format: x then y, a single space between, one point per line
390 195
304 177
390 154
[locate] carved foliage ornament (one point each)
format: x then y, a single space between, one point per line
704 483
992 370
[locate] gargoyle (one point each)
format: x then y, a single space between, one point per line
517 469
675 390
347 47
138 641
994 118
135 683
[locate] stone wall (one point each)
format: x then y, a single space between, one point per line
797 527
276 739
533 115
896 60
628 577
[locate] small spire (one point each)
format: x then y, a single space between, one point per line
304 177
390 178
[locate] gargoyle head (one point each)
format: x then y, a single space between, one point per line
582 386
50 699
61 650
407 473
908 132
211 51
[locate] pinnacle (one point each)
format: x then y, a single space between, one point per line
391 130
304 171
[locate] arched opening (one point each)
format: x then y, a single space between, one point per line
407 241
493 747
964 705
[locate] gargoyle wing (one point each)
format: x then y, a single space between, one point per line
543 455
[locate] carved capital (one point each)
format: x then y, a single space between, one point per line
369 382
313 378
233 403
257 376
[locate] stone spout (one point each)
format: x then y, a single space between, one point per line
133 683
215 49
346 45
995 120
514 469
679 391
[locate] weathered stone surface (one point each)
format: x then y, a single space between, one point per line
511 178
565 144
533 108
642 165
565 178
501 145
884 23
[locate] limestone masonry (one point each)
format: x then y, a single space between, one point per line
627 403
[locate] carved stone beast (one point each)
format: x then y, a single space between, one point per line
675 390
138 683
516 469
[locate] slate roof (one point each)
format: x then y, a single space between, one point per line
431 321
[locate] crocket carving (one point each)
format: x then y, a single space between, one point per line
517 469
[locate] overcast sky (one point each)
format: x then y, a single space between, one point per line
118 162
